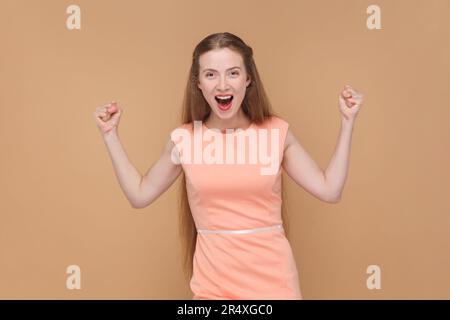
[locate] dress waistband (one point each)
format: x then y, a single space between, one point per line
244 231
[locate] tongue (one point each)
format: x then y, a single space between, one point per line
225 106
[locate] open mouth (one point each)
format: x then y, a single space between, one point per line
224 102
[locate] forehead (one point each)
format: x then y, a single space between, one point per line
220 59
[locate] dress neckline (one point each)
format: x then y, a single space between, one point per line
234 131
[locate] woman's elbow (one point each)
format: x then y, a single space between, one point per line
332 198
137 203
142 202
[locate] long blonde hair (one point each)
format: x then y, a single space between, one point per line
256 107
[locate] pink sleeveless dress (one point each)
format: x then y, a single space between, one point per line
241 250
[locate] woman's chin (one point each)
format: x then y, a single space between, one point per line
224 114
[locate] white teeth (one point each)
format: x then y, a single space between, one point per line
223 97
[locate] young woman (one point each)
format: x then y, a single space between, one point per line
232 215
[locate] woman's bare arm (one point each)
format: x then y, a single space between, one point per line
141 190
158 178
299 165
326 186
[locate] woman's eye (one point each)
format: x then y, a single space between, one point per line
235 73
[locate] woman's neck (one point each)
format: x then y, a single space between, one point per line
239 121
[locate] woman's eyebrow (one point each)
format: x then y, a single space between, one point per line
209 69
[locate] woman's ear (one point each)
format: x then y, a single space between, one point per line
249 81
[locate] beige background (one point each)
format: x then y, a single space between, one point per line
61 203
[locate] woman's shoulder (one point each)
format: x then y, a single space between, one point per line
184 126
276 121
181 130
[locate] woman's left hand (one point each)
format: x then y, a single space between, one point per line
350 102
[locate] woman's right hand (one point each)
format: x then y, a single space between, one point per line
107 117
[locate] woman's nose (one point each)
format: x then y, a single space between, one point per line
222 83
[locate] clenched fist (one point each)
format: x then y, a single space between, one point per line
350 102
107 117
